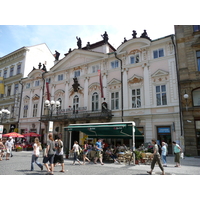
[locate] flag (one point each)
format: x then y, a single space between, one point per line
101 86
47 87
1 86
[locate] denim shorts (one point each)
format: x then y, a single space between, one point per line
49 158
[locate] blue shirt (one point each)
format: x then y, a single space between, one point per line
98 144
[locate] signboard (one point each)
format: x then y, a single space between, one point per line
1 129
164 130
50 126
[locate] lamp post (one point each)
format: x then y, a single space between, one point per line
185 96
51 106
3 114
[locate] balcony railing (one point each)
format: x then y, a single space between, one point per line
78 115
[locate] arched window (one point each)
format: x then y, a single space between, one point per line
75 104
196 97
95 101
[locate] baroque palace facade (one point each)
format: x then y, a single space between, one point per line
138 83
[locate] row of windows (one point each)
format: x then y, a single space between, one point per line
6 75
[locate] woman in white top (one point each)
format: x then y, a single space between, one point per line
35 155
76 149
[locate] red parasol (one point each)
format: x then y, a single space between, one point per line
13 134
31 134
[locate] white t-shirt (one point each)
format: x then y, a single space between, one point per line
37 149
76 147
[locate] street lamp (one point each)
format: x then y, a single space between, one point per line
3 114
185 96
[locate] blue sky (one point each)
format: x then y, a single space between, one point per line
63 37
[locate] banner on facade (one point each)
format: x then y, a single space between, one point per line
101 85
50 126
1 86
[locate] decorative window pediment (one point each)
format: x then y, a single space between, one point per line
135 79
160 72
35 97
114 81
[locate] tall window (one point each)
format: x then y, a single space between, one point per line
19 69
37 83
77 73
9 90
198 59
35 107
114 64
11 71
25 110
5 73
196 28
161 95
60 100
196 97
134 59
28 85
158 53
95 68
16 88
60 77
75 104
95 101
114 100
136 98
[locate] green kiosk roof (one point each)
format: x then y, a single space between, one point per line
107 130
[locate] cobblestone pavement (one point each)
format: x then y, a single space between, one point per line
19 164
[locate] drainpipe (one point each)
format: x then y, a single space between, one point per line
178 79
122 101
42 100
20 103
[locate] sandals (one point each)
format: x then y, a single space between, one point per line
62 171
149 172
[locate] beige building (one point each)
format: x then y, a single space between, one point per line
139 83
14 67
188 56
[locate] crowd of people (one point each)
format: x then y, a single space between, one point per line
53 153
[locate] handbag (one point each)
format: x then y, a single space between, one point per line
40 148
182 155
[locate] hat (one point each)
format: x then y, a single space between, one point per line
10 137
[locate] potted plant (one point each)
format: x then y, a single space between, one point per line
19 148
138 156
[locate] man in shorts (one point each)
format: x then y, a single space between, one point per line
99 149
59 153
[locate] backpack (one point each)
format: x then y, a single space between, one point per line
59 146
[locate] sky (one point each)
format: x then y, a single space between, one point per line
63 37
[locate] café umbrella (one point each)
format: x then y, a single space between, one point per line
13 134
31 134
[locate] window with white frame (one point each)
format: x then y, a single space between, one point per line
95 68
37 83
196 97
136 98
35 108
161 95
115 100
25 111
28 85
11 71
48 80
77 73
16 88
114 64
95 101
158 53
134 59
9 90
60 77
18 68
5 73
75 103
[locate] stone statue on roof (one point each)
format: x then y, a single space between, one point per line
144 35
79 42
134 34
105 37
57 55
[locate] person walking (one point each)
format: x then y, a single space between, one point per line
9 146
164 154
59 153
49 155
85 152
177 151
76 148
156 158
2 148
35 155
98 147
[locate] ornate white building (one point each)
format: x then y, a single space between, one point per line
139 83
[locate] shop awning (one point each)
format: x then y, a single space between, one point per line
107 130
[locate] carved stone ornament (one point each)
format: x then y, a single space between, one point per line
134 51
135 79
